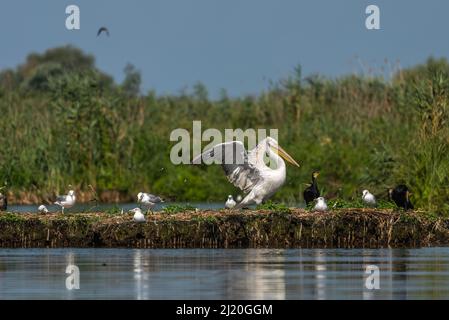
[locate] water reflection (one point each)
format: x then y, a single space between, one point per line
141 275
86 207
83 207
224 274
262 277
320 274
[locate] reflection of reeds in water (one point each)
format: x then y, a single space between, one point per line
262 278
320 275
140 275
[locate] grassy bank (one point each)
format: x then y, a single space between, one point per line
344 228
64 122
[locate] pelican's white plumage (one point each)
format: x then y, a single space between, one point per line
247 170
368 198
66 201
230 203
320 205
42 209
138 215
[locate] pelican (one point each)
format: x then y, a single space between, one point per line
66 201
368 198
138 215
248 171
230 203
320 205
42 209
3 202
148 199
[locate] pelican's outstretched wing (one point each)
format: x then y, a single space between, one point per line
233 158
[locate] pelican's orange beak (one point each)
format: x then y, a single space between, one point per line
278 149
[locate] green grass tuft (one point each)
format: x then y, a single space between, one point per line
271 206
11 217
177 208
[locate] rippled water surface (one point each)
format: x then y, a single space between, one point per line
224 273
85 207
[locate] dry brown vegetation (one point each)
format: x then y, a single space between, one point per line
344 228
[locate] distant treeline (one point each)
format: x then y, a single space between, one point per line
64 122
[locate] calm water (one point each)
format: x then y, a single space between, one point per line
83 207
224 273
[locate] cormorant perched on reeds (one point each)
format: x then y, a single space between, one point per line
312 192
401 196
3 202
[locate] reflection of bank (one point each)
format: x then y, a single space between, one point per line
262 278
398 273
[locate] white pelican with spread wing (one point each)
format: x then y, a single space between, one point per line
247 170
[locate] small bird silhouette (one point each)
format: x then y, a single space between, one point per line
103 29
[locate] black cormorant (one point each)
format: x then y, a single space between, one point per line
401 196
312 192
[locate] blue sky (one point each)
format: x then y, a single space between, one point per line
238 45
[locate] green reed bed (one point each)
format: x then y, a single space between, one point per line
63 122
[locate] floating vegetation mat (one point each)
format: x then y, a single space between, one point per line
292 228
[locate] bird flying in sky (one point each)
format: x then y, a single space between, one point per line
101 30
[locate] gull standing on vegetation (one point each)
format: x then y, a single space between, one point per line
138 215
248 171
3 202
42 209
148 200
368 198
66 201
230 203
320 204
